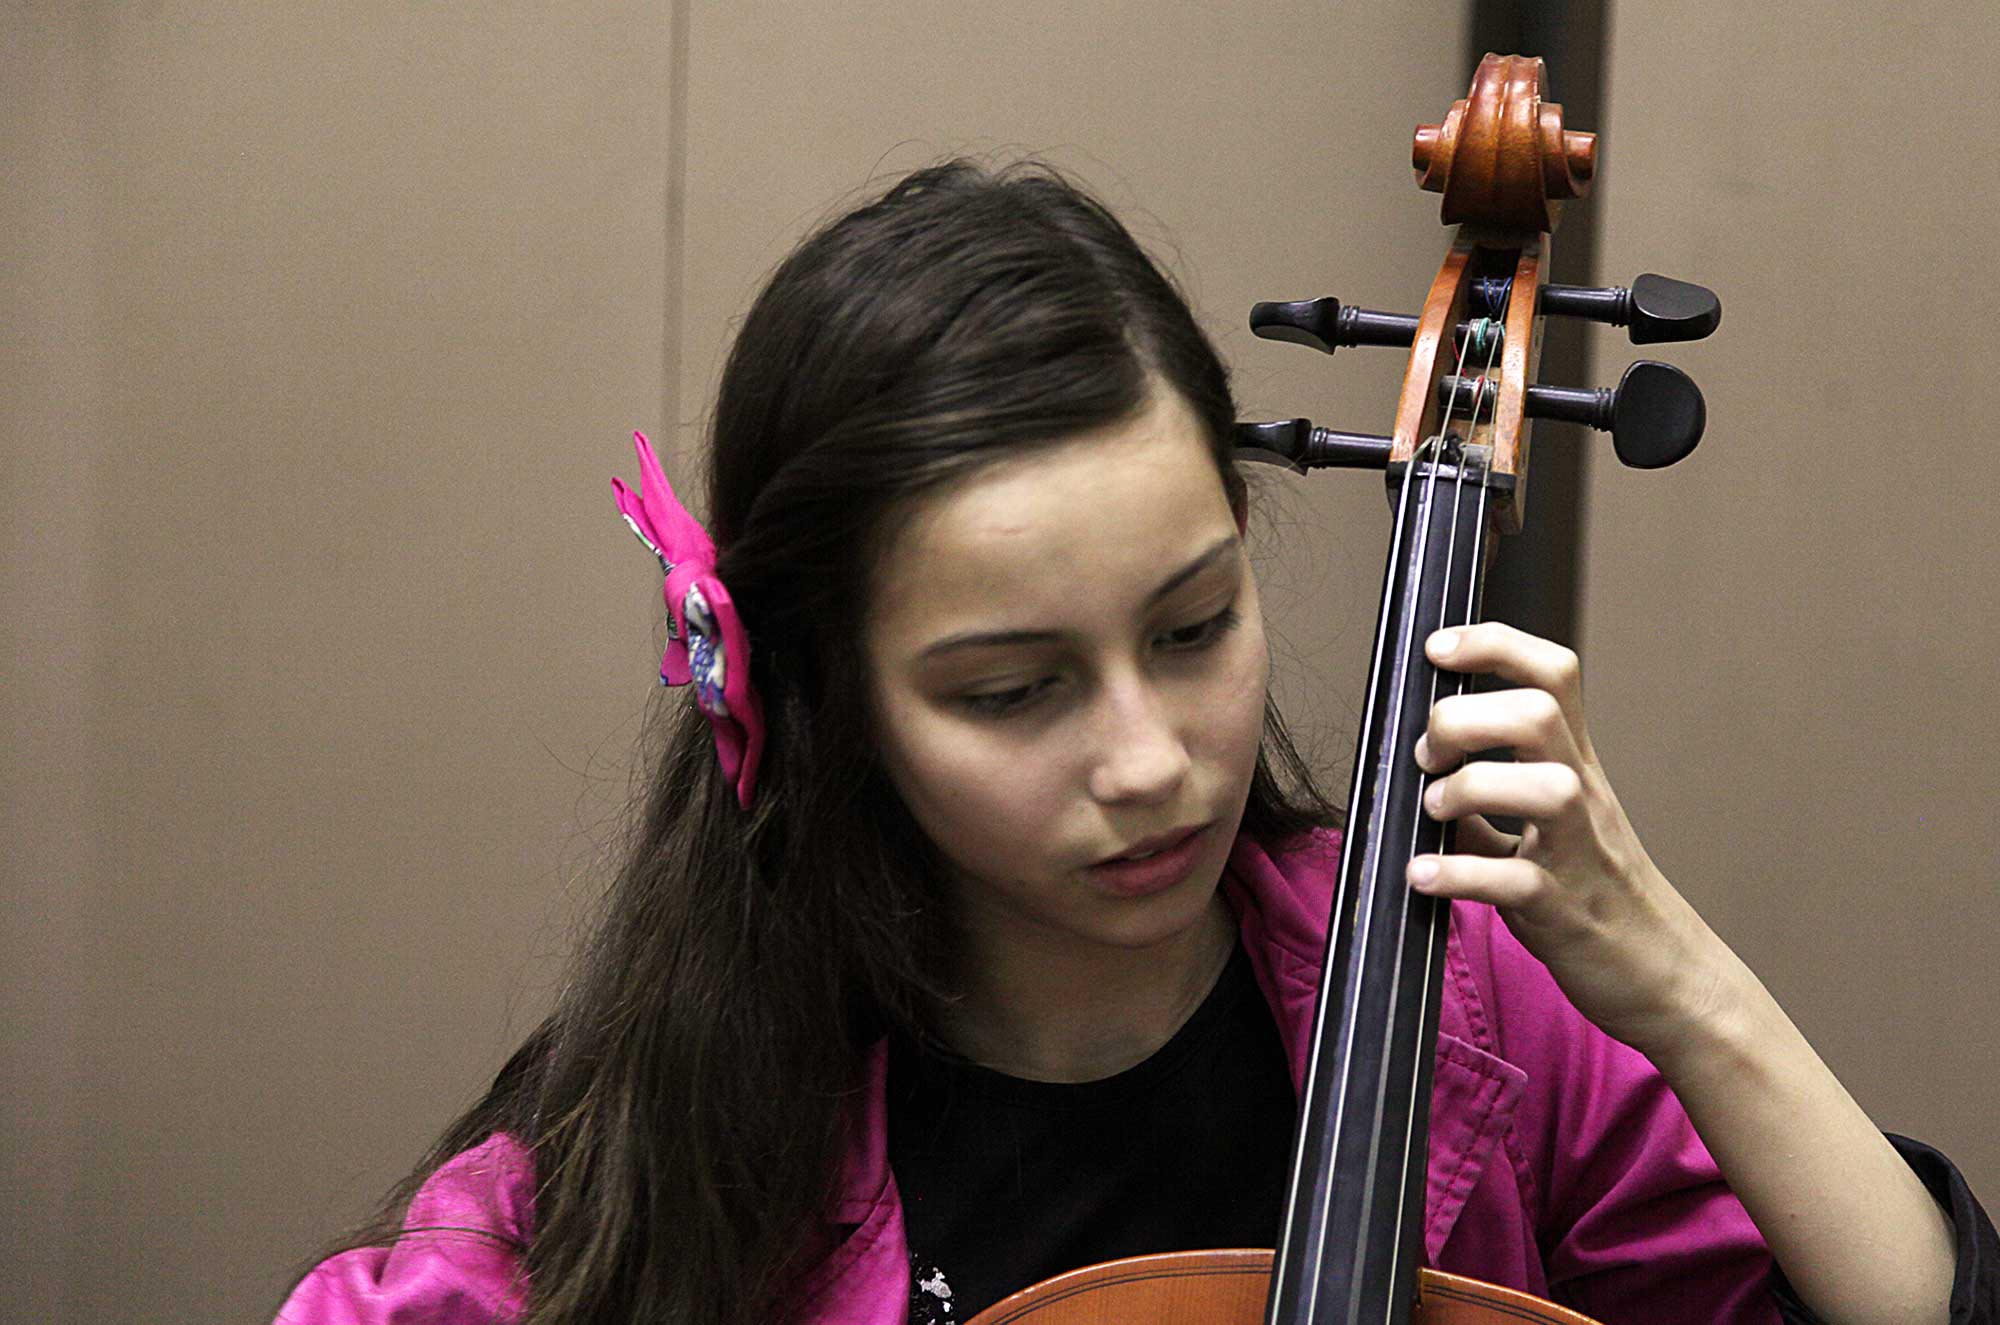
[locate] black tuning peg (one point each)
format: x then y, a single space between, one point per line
1654 308
1655 414
1297 445
1325 325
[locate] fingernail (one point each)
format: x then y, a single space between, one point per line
1423 870
1423 752
1443 643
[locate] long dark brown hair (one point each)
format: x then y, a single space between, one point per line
685 1102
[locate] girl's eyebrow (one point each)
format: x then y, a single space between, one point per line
976 639
1215 553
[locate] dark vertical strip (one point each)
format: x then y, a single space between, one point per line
673 292
1535 577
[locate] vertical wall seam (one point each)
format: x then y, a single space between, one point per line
673 291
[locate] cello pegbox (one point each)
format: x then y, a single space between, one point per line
1504 163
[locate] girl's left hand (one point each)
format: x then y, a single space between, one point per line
1576 887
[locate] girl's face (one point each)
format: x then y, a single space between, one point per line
1067 665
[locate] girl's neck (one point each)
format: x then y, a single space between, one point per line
1065 1012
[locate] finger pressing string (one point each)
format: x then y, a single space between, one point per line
1500 881
1521 791
1531 723
1496 648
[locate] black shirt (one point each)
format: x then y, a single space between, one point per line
1006 1182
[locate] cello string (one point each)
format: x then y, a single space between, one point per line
1370 870
1403 1187
1315 1254
1371 879
1363 918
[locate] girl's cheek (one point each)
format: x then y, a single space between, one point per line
1244 689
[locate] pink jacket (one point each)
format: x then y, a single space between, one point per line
1559 1161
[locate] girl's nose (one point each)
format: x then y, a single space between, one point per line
1141 756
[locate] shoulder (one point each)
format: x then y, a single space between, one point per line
457 1260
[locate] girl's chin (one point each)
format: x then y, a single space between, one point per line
1155 921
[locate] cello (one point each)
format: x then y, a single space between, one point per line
1457 467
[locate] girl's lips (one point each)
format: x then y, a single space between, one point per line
1154 874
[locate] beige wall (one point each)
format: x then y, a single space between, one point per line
325 667
1792 637
325 332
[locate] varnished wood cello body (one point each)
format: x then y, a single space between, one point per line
1457 464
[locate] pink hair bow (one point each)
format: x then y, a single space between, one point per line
706 642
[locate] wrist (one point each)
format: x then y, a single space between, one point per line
1713 1022
1705 1014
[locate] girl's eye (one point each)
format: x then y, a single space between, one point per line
1187 639
1202 633
1001 703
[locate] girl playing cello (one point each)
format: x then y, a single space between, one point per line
972 919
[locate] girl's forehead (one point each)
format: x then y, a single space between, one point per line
1081 526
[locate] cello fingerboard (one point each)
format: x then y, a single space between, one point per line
1351 1244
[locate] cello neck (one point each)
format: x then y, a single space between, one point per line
1352 1237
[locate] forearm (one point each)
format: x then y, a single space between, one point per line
1855 1231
